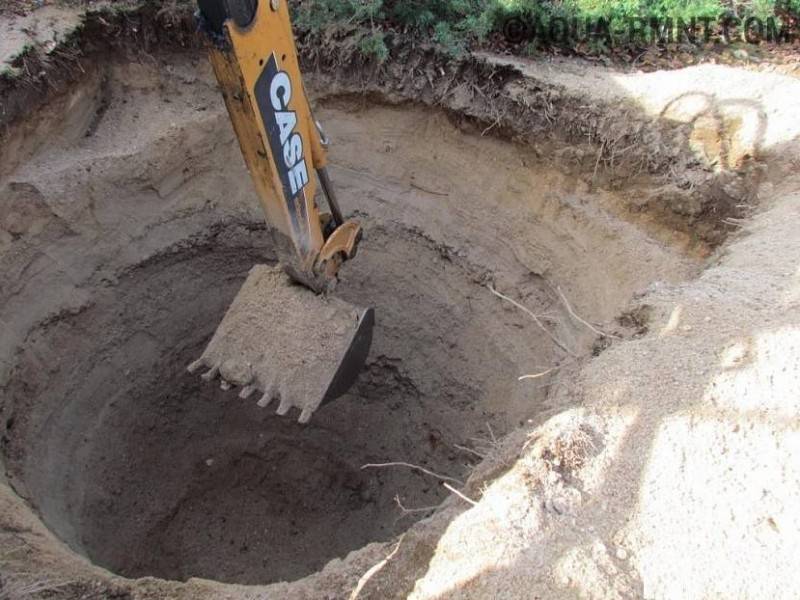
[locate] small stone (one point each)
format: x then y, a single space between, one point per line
210 462
622 554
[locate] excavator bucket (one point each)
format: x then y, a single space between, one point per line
287 344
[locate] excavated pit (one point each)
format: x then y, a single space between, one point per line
131 229
151 471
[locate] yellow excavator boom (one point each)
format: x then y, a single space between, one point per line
255 60
283 335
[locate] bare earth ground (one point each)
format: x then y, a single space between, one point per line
659 463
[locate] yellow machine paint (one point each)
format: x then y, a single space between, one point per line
253 53
258 70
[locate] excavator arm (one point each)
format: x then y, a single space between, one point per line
253 53
284 335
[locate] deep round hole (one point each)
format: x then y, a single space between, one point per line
194 482
147 470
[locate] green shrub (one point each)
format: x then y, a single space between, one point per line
374 45
456 24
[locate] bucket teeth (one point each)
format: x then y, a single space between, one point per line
193 368
284 406
305 416
268 397
264 401
210 374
